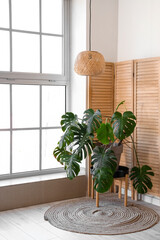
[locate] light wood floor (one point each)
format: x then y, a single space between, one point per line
28 224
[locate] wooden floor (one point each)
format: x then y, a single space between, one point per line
28 224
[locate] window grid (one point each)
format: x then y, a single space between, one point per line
52 77
10 32
21 78
40 29
11 129
40 128
40 125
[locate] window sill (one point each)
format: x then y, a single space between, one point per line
45 177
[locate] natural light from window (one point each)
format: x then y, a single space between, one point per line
33 81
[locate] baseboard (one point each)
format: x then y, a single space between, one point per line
146 198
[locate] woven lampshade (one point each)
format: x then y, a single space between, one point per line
89 63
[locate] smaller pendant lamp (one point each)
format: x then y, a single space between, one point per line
89 63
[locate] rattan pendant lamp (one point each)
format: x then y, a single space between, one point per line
89 63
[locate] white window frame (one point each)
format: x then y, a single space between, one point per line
40 79
36 78
40 171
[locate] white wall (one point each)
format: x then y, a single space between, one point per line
104 40
138 29
104 28
77 44
121 30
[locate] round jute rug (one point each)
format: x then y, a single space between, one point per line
111 218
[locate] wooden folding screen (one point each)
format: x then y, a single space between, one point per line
138 83
100 96
101 91
147 111
124 91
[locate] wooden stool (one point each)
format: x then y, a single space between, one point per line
120 176
118 182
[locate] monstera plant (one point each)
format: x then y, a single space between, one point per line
90 136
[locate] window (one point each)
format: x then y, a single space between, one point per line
33 36
33 83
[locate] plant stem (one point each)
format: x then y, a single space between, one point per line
129 141
127 144
135 151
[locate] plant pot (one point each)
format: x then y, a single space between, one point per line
121 172
118 151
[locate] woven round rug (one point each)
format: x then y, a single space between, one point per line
110 218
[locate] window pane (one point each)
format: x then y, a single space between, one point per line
52 16
4 106
4 51
51 54
25 52
50 138
4 152
25 150
25 106
25 14
4 13
53 105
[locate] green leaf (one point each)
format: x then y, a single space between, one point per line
103 180
69 120
59 153
66 139
82 140
120 104
104 165
140 178
72 166
105 133
123 125
93 120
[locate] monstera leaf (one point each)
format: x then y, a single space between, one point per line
82 140
103 179
123 125
105 133
68 120
72 166
93 120
58 153
66 139
141 180
104 165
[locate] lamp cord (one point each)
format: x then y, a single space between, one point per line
90 25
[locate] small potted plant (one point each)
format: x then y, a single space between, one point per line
78 142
